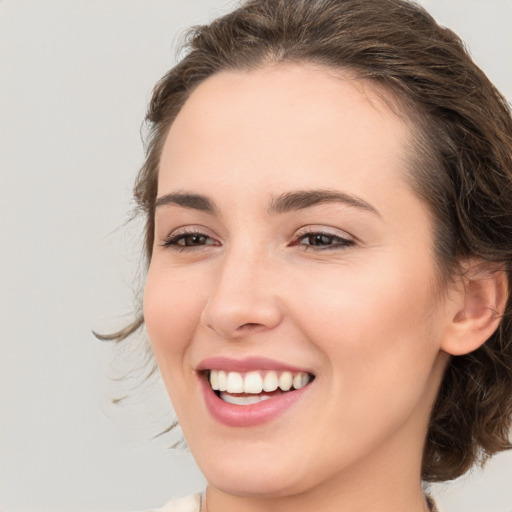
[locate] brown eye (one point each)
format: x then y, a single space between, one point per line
324 241
188 241
318 239
192 240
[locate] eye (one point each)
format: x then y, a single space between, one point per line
323 241
188 240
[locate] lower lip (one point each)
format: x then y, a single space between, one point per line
249 415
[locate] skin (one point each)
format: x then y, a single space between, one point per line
366 317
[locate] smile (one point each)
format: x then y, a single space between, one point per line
252 391
255 386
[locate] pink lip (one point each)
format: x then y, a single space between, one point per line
246 365
248 415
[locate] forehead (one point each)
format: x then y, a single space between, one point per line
304 116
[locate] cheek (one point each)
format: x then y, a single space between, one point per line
172 307
369 323
379 338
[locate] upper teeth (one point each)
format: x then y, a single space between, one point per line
256 382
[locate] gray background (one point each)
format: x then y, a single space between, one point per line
75 78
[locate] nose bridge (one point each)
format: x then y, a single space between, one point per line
242 299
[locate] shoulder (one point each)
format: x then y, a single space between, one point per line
190 503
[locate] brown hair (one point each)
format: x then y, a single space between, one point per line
462 167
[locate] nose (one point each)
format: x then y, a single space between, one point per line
242 300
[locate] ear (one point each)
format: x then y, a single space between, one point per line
477 303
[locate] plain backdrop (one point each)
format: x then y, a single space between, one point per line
75 78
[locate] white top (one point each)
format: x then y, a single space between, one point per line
190 503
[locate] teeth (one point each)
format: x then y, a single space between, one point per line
235 383
286 381
254 383
243 400
214 380
222 380
297 381
270 382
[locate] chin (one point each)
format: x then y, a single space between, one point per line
265 479
251 485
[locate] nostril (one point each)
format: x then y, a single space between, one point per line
250 326
247 328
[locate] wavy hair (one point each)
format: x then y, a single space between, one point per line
462 165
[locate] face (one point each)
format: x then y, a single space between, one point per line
293 268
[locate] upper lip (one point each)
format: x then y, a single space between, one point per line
247 364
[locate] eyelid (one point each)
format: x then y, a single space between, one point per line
170 240
324 230
341 239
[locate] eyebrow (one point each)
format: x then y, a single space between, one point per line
187 200
289 201
301 199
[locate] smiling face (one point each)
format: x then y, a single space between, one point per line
290 253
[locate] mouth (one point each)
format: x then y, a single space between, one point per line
248 388
252 391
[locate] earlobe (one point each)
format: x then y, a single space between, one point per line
480 301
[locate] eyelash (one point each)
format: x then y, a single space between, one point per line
339 242
172 241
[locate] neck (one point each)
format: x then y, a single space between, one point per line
395 488
216 501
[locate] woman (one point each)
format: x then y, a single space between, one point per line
328 195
